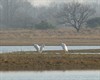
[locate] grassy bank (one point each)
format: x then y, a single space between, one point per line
85 51
50 37
38 62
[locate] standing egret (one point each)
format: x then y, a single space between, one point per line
39 48
65 48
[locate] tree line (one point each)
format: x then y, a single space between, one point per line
22 14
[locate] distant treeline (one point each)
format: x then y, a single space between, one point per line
22 14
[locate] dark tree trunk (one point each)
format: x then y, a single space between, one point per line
78 30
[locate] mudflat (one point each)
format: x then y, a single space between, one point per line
33 61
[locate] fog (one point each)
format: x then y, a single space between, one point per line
47 2
28 13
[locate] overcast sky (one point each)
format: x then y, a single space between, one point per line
46 2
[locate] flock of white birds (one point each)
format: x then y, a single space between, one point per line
39 48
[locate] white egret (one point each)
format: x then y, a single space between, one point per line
65 48
39 48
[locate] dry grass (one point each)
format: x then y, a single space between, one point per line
85 51
56 36
35 61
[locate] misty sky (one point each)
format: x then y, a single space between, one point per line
46 2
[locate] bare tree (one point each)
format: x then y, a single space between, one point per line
75 14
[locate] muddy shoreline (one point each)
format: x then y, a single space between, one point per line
27 61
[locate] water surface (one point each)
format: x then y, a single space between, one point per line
51 75
4 49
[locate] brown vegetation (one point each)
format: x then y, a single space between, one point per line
85 51
35 61
55 36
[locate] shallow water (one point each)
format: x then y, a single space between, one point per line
4 49
51 75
